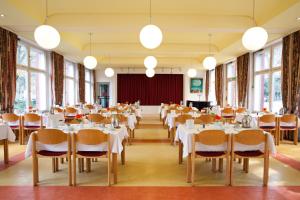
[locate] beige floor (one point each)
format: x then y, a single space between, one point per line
152 164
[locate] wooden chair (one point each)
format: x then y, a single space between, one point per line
186 110
251 137
96 118
204 119
50 137
181 119
240 110
268 123
70 113
89 106
30 122
91 137
14 122
212 138
228 114
58 110
288 123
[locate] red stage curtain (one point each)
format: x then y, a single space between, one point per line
162 88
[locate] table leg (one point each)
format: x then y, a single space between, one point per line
5 143
123 153
189 168
180 146
115 167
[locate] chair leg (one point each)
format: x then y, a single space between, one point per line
53 165
239 160
180 153
70 170
220 164
88 164
34 170
231 169
79 165
266 169
214 165
62 160
109 170
228 170
296 137
56 165
74 169
123 153
246 165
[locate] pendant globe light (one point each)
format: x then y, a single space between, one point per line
150 73
90 61
45 35
209 62
150 62
255 37
151 35
109 72
192 73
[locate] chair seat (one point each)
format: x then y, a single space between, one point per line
267 127
92 153
52 153
228 116
32 127
210 153
14 127
249 153
288 127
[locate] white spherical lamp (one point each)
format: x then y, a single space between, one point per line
47 37
151 36
255 38
209 62
192 72
90 62
150 73
150 62
109 72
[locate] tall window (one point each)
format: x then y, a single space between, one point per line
212 94
267 78
89 98
32 76
71 84
231 84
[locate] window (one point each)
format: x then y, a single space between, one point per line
32 76
71 84
267 79
231 94
212 94
89 98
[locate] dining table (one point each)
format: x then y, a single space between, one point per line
6 135
118 138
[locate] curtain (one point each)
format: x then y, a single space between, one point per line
81 76
94 86
162 88
57 78
290 85
8 69
207 85
219 84
242 78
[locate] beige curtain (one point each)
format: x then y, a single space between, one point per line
207 85
242 78
81 76
8 69
290 85
57 78
95 86
219 82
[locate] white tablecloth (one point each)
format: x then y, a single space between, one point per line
116 138
138 112
185 135
6 133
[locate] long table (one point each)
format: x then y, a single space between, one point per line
6 135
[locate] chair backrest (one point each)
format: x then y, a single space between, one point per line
240 110
10 117
121 118
89 106
73 121
212 137
288 118
250 137
269 118
205 119
186 110
97 118
31 117
228 110
70 110
91 137
106 120
176 111
182 118
59 110
50 136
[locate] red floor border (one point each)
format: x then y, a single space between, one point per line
288 161
12 161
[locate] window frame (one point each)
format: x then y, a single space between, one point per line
74 78
231 79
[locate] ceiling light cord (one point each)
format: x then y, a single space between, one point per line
46 12
90 43
209 46
253 12
150 11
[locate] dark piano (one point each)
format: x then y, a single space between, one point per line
198 104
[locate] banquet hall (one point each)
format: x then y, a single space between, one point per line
150 99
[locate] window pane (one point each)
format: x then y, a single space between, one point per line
21 91
22 55
261 92
231 93
231 71
276 59
276 92
38 90
37 59
262 60
87 93
70 92
87 75
212 95
69 69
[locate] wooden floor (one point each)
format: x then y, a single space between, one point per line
152 172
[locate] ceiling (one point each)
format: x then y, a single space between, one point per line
115 25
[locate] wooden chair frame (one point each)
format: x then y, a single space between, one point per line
270 118
30 117
11 117
288 118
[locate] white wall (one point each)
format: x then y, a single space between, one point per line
100 77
